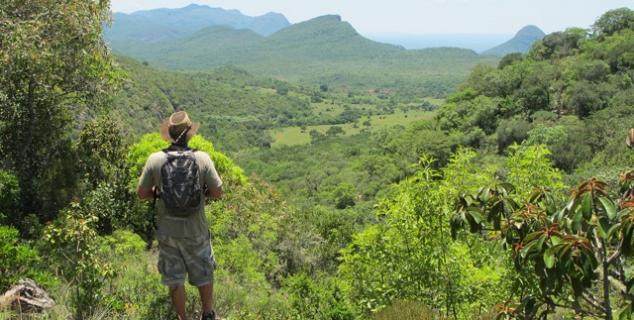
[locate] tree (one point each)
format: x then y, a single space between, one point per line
316 136
576 251
334 131
509 59
54 67
614 21
511 131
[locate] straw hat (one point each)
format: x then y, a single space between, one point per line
177 125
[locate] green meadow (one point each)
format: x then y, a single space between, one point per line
296 135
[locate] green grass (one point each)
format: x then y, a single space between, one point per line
295 135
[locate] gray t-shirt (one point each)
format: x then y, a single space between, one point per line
195 225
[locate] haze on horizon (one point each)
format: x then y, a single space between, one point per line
416 17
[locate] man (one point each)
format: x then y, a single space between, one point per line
180 179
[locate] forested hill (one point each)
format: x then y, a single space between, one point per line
322 50
166 24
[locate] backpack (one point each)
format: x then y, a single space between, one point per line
180 183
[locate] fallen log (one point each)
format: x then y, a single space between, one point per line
26 296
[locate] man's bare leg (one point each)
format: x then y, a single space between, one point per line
207 297
177 293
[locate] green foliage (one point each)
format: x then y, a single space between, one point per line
150 143
73 242
9 199
53 65
405 310
318 299
529 167
18 260
512 131
574 249
614 21
407 256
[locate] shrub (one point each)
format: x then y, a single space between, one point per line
74 244
18 260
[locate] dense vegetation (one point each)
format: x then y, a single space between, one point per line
344 227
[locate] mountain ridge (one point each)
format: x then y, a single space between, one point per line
163 24
325 49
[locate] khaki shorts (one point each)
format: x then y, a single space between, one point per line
186 256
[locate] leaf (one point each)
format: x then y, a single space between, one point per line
603 227
586 205
609 207
528 249
549 258
625 312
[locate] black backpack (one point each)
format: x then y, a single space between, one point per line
180 183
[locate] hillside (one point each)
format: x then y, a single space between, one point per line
322 50
157 25
240 110
520 43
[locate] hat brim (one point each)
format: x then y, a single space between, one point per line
165 134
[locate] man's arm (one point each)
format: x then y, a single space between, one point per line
145 193
212 180
214 193
146 187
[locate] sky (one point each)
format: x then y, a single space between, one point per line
416 17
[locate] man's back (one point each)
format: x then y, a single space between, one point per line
194 225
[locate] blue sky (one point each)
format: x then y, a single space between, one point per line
417 16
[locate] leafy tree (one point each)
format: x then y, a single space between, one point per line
511 131
9 199
18 260
558 44
344 195
54 66
614 21
509 59
316 136
334 131
576 251
74 244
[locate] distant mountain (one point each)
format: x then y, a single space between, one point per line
521 42
476 42
321 50
168 24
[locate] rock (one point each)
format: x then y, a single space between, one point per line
27 296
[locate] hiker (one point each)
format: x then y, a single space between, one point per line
179 179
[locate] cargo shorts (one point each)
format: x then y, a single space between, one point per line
179 257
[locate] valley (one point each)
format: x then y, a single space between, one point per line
362 180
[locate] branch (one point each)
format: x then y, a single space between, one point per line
587 297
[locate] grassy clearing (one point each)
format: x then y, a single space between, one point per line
295 135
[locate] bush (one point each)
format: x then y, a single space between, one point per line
9 198
74 244
511 131
18 260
